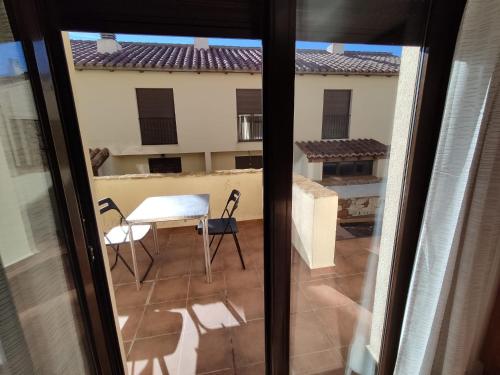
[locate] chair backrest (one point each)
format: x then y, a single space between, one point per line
235 198
107 204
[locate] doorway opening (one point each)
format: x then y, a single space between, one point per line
173 129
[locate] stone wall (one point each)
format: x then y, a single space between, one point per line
359 209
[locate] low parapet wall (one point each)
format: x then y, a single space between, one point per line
128 191
314 222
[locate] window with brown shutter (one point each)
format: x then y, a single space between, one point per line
248 162
249 111
336 114
157 116
348 168
165 165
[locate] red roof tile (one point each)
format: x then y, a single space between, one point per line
171 57
344 149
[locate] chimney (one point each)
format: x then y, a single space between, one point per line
108 43
335 48
200 43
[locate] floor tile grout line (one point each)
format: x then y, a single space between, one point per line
158 335
136 331
334 348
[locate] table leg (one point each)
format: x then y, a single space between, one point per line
155 236
206 247
134 258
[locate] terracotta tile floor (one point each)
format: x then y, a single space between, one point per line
179 324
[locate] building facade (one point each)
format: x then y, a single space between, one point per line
193 114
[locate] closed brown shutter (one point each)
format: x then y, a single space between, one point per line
155 103
249 162
165 165
336 114
156 116
248 101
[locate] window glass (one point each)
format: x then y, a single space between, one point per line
345 197
178 322
41 329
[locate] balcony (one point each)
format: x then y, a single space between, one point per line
249 128
179 324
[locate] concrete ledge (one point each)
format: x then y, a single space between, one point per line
230 172
314 222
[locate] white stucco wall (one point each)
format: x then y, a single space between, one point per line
205 108
395 180
301 166
313 225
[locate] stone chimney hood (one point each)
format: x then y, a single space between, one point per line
335 48
200 43
108 43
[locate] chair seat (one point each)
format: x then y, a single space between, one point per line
119 234
217 226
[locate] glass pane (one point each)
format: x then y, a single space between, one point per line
346 196
40 328
177 322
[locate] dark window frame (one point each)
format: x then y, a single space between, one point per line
433 27
336 126
250 161
171 164
340 172
157 125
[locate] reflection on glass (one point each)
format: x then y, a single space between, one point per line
346 193
190 106
40 328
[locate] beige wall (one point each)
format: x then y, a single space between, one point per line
205 107
118 165
395 179
373 101
372 105
129 191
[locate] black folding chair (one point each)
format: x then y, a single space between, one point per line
225 225
120 234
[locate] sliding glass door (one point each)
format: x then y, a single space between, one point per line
41 329
335 276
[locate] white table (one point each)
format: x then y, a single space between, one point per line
171 208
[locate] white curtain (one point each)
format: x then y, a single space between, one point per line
458 257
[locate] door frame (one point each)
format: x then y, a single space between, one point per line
426 23
96 309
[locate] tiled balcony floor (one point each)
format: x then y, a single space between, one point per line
179 324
